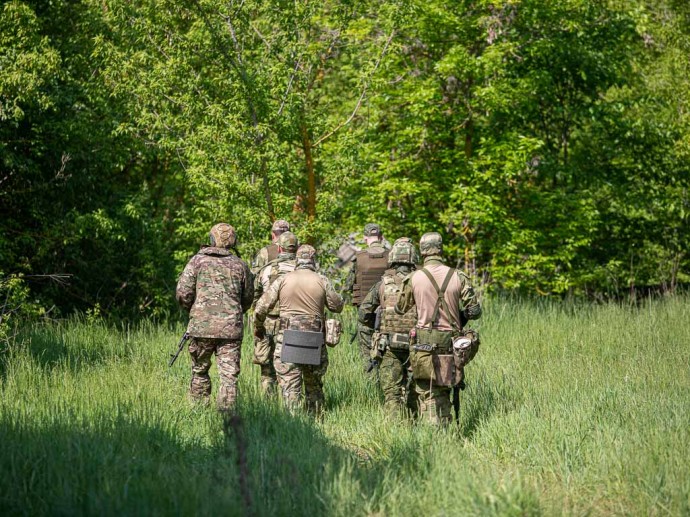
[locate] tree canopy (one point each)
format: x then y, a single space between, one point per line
547 141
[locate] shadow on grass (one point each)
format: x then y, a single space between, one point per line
481 399
262 461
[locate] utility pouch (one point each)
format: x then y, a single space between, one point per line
466 346
262 351
421 362
379 343
444 370
399 341
301 347
334 329
440 338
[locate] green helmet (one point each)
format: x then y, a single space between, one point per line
431 244
288 242
223 235
403 252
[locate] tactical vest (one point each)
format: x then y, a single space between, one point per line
272 250
390 321
371 264
278 269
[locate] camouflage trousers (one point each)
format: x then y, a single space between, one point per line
433 402
394 378
267 347
228 358
364 335
292 377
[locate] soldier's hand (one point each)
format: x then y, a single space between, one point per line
259 332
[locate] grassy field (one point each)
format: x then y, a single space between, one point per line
569 410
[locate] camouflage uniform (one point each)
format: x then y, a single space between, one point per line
270 252
301 297
367 268
216 288
264 348
460 299
391 343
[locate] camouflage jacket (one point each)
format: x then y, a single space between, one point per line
302 293
418 291
263 257
216 288
285 263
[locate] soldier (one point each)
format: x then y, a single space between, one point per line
391 343
270 252
367 268
264 348
216 288
441 312
301 297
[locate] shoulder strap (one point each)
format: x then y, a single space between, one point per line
441 298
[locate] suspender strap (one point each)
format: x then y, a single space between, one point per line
441 297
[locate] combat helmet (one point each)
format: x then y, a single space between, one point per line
403 252
431 244
287 241
223 235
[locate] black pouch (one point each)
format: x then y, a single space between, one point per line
301 347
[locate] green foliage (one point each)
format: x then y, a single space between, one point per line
548 141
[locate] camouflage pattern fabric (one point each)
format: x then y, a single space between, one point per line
263 257
228 357
398 394
291 377
216 288
284 264
302 297
434 403
393 372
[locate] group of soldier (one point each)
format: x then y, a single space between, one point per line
411 319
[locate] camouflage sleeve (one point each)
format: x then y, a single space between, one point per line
406 300
367 309
334 301
468 299
266 303
258 284
260 260
247 288
186 287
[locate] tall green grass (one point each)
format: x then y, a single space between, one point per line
570 409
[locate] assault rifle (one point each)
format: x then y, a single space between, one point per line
373 363
180 347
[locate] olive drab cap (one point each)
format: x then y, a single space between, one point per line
280 226
403 252
372 230
431 244
223 235
287 242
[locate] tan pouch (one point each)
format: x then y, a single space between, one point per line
444 370
334 329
